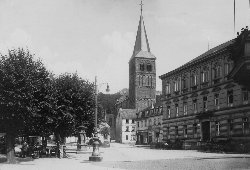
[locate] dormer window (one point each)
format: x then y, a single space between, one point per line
142 67
149 67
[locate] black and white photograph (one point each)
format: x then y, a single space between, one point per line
124 84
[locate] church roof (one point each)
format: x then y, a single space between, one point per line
141 47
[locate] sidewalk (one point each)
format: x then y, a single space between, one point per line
75 161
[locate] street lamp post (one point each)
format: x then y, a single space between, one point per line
96 156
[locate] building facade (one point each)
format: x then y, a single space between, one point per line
142 83
207 99
149 127
125 126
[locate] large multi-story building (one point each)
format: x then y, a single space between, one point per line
208 98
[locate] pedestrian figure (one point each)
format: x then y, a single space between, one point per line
24 149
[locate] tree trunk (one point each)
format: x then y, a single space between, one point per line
59 148
10 143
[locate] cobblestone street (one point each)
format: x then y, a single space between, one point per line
120 156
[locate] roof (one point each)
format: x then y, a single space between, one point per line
150 112
127 113
141 47
203 56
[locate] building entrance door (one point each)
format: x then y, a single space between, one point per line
206 131
141 139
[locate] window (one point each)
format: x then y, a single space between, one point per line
159 121
185 131
195 128
226 69
160 110
195 106
155 121
194 80
176 130
168 88
133 137
185 83
168 111
216 100
230 98
230 126
245 126
168 134
205 103
133 129
149 67
217 128
204 76
145 123
245 96
127 121
217 71
177 110
150 122
138 124
151 81
177 84
142 67
127 128
126 137
185 108
133 121
142 80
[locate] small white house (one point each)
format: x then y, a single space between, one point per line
125 126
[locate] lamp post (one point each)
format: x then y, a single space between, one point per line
96 156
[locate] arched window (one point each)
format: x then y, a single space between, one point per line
139 82
142 80
149 67
151 79
142 67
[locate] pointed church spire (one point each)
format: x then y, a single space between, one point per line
141 47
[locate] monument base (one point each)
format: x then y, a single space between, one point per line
95 158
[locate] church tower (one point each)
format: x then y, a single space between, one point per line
142 71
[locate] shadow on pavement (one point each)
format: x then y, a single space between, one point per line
18 160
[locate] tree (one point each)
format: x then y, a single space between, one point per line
73 106
21 79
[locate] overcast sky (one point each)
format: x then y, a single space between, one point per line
96 37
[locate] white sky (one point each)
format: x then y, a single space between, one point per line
96 37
